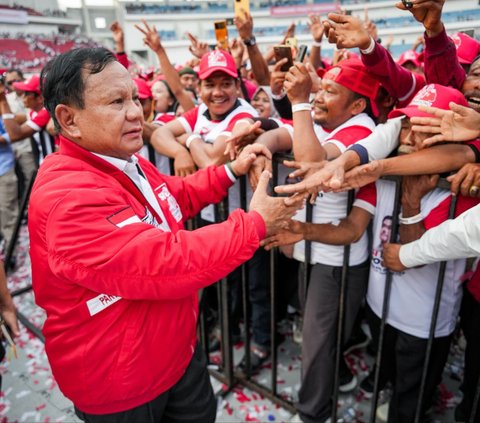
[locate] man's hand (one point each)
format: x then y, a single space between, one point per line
277 77
289 236
360 176
197 48
427 12
414 188
303 169
184 164
151 37
237 48
346 31
260 164
298 84
244 26
275 211
466 180
391 257
241 165
316 27
289 33
243 133
117 35
460 123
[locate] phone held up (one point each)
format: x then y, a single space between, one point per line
302 51
282 51
241 7
221 34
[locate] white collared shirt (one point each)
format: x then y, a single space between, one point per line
129 167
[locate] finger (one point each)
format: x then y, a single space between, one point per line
433 111
427 129
337 17
457 108
291 188
140 29
466 184
433 140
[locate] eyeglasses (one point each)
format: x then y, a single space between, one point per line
12 81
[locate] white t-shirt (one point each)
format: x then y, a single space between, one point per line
413 291
331 207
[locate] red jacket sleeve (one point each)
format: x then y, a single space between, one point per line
441 62
397 80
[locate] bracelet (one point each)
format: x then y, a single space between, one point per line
6 116
228 165
410 220
317 44
300 107
370 48
190 139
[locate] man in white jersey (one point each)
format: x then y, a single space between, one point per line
341 117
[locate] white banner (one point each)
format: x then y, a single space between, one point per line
13 16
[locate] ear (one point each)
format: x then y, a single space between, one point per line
358 106
66 117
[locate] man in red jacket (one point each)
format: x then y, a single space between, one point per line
112 264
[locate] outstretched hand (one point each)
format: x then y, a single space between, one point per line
151 37
346 31
427 12
275 211
243 133
360 176
391 257
241 165
197 47
460 123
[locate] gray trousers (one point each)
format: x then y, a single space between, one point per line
8 204
320 333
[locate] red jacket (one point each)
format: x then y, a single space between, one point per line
121 295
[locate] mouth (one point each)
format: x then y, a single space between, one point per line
219 101
134 132
405 149
473 102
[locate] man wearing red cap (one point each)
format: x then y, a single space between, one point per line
342 115
38 117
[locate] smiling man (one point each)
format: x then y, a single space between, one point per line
112 264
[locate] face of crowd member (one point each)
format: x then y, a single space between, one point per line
146 107
111 121
410 141
334 104
219 93
162 97
31 100
261 103
10 78
471 86
189 81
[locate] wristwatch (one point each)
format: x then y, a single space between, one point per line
250 41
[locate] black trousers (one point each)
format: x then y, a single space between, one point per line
190 400
402 364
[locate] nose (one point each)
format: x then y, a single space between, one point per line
134 110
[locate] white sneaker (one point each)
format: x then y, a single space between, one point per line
382 412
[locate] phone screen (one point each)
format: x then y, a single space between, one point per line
221 34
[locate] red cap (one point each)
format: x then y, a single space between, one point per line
409 56
467 48
144 90
217 60
352 74
433 95
32 85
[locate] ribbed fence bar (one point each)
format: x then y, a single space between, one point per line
433 323
386 301
341 314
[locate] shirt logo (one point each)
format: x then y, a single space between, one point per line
124 217
164 195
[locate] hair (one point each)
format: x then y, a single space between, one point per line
62 80
19 72
368 108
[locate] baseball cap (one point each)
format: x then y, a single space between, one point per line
217 60
467 48
32 85
434 95
352 74
144 90
409 56
187 70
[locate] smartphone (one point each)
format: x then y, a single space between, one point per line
302 51
281 51
241 7
407 4
221 34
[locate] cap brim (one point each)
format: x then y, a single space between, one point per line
213 69
408 111
21 86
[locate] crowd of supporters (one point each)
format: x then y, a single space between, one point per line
332 115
